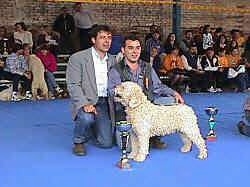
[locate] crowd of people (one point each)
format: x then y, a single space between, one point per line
205 59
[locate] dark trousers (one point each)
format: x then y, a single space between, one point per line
16 78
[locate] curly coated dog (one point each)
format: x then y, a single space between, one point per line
154 120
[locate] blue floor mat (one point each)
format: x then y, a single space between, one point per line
36 142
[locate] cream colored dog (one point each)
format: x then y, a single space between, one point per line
37 69
154 120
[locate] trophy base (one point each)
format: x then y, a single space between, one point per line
123 164
211 137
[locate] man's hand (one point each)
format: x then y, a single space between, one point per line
179 98
89 109
1 63
28 75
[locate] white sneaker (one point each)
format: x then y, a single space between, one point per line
211 89
28 95
51 96
15 97
219 90
59 90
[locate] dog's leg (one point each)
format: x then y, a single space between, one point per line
196 138
187 143
134 145
143 143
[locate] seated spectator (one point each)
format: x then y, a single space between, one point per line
187 42
50 64
174 67
22 34
221 43
244 124
218 32
236 71
152 29
51 38
170 43
232 45
194 69
210 64
153 42
155 60
223 67
15 69
237 36
207 37
246 56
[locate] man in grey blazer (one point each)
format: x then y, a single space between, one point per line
87 84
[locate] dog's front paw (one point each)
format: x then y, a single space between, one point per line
186 148
202 156
139 158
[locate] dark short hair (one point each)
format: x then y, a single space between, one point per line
132 37
22 24
44 46
98 28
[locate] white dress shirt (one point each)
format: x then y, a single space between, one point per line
101 73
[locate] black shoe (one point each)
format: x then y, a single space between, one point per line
79 149
241 127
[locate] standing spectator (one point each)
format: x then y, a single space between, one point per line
22 35
50 64
65 26
87 84
84 21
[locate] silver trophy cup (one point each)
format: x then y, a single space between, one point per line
211 112
124 127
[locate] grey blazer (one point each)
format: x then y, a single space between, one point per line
81 80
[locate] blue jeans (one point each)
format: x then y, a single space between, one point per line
95 127
51 81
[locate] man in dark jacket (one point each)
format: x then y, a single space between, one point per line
65 26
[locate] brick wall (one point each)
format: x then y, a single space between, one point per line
126 17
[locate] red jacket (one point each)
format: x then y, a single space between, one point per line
49 61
